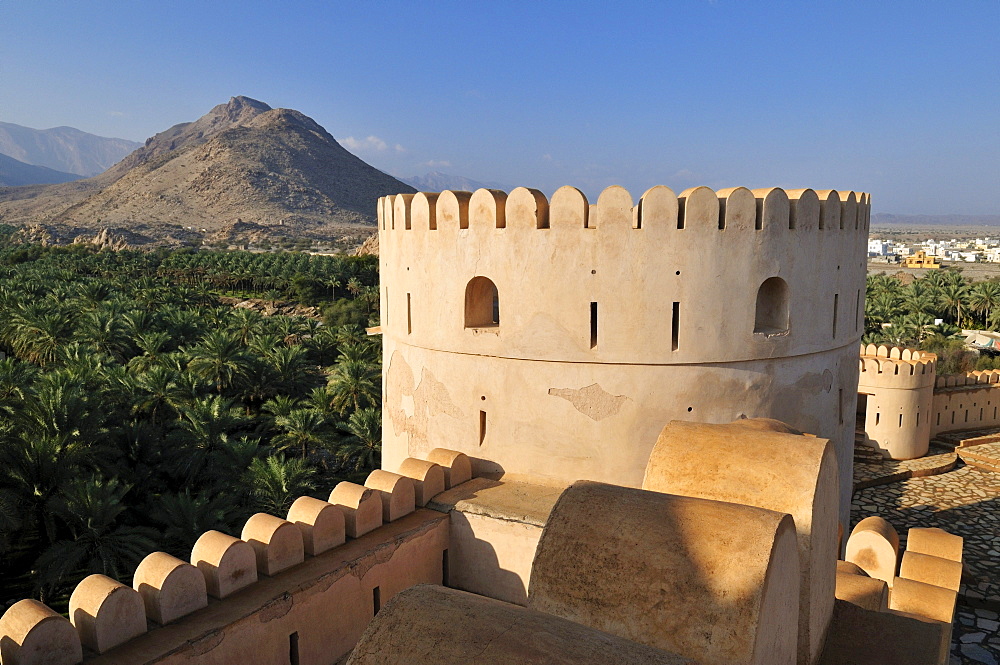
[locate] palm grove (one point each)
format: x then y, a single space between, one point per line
137 412
929 312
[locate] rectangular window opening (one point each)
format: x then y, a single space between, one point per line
593 325
409 316
840 405
857 311
293 649
722 214
877 417
444 567
675 325
680 212
376 600
980 413
918 419
953 417
836 298
966 415
482 427
901 420
938 419
758 222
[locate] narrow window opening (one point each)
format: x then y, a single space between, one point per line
376 600
994 413
938 420
772 307
758 222
482 427
966 415
857 311
293 649
918 419
593 325
840 405
444 567
409 316
722 214
680 212
675 327
638 215
901 420
953 417
482 303
980 413
836 299
877 417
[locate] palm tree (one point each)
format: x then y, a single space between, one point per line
220 359
362 449
984 297
275 482
301 428
183 517
953 297
353 383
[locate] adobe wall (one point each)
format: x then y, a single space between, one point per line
966 401
554 393
899 384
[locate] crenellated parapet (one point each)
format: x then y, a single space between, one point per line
106 614
666 278
897 368
974 379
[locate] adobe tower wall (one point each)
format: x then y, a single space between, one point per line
613 319
898 385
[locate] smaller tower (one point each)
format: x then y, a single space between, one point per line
895 398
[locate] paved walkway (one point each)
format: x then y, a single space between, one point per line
964 501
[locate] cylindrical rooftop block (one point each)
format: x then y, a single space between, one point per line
874 546
432 625
850 568
321 524
170 588
767 464
712 581
936 542
277 543
33 634
228 563
925 600
362 508
929 569
863 591
395 491
457 466
427 477
106 613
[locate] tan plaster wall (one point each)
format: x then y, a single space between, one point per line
965 408
558 408
900 387
327 600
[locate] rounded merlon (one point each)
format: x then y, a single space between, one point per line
106 613
321 524
170 588
33 634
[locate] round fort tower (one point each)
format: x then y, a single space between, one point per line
895 400
551 340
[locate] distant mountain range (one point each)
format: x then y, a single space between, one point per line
438 182
886 219
14 173
62 149
242 171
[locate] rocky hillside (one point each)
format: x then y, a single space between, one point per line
63 149
14 173
242 167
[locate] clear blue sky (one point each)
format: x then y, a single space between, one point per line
901 99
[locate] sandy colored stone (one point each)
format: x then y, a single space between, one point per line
859 636
899 384
106 613
929 569
764 464
277 543
456 465
395 491
228 563
362 508
433 625
863 591
427 477
32 634
709 580
935 542
321 524
924 600
874 547
170 588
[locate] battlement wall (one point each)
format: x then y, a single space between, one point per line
895 368
299 590
706 276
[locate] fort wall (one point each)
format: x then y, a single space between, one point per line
550 339
896 388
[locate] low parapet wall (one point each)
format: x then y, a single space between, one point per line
264 598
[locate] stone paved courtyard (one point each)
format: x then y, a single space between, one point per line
964 501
